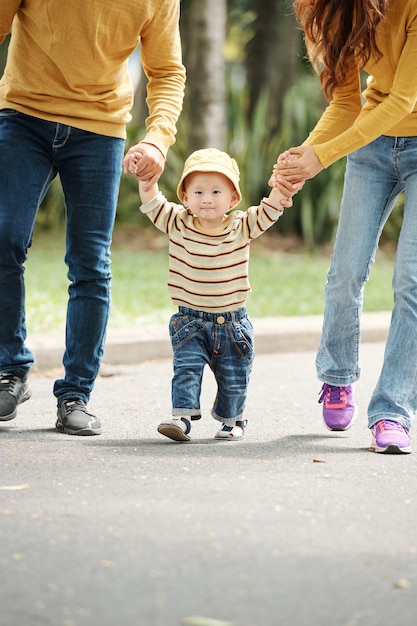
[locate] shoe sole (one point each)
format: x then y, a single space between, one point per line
83 432
392 449
229 437
173 432
12 415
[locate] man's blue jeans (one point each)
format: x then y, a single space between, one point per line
224 342
375 175
32 153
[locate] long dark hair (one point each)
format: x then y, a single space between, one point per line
336 30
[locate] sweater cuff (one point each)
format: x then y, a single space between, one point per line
149 206
266 202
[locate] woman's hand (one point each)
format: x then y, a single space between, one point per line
287 188
296 165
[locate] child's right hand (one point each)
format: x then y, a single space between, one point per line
132 162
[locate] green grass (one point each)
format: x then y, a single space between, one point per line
282 283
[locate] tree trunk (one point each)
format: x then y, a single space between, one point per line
203 33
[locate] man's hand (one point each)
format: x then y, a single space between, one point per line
131 163
149 162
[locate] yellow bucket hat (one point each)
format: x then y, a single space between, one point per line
210 160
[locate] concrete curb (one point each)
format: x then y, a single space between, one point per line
151 343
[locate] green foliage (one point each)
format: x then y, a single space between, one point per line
393 225
316 206
314 215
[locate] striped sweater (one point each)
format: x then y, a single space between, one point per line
208 269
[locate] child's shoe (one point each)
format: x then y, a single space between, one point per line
232 433
176 429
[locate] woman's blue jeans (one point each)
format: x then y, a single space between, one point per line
375 175
32 153
224 342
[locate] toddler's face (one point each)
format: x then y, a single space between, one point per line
209 196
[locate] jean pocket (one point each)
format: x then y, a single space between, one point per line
182 328
242 337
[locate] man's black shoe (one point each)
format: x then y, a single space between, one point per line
13 391
74 419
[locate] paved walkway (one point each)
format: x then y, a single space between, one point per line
293 526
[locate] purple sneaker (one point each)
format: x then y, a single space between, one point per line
339 408
390 438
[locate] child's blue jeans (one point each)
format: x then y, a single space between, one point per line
224 341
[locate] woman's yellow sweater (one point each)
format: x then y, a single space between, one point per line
68 63
389 105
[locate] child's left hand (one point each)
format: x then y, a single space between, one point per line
287 188
275 180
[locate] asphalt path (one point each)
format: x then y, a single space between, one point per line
292 526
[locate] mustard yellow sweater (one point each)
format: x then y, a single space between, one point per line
390 97
67 63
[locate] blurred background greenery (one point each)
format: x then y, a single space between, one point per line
251 92
285 280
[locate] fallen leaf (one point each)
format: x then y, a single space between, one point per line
14 487
402 583
197 620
